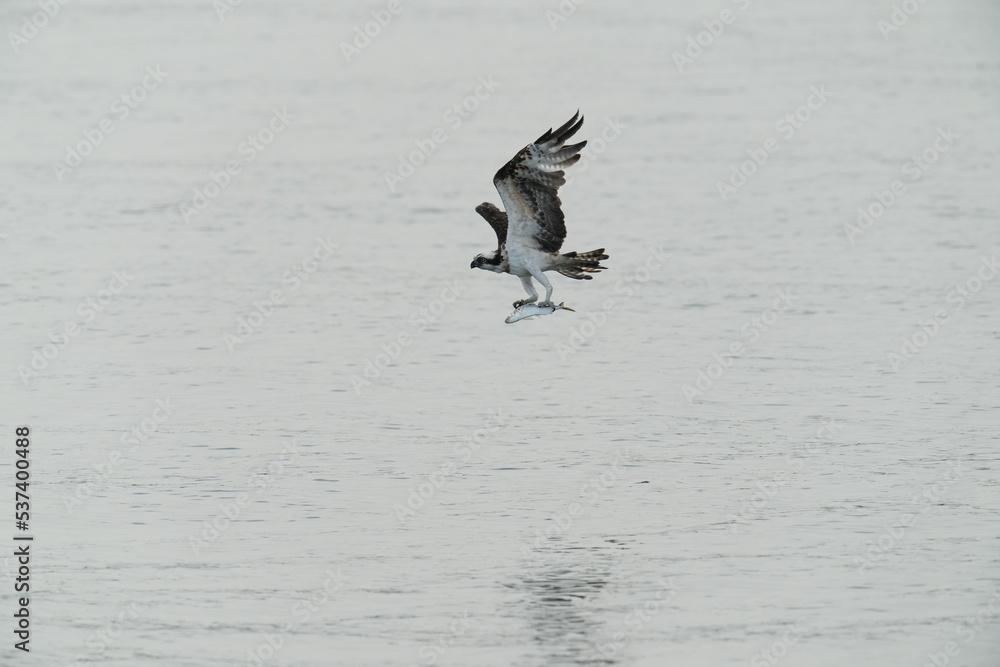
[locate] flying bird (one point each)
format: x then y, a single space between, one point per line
531 230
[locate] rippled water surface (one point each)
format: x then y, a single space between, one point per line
293 428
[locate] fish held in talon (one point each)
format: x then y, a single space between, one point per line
531 229
527 310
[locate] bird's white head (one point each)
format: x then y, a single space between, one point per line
488 262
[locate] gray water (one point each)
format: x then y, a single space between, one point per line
374 469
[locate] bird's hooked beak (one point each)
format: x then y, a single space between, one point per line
473 265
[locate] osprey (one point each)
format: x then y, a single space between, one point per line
531 230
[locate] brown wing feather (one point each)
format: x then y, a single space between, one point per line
529 184
497 220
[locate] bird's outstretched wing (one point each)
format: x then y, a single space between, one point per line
497 220
528 187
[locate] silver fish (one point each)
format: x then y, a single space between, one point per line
531 310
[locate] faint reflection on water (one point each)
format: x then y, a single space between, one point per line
561 602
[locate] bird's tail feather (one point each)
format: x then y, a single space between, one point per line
578 265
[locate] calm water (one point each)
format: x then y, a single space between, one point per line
293 428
